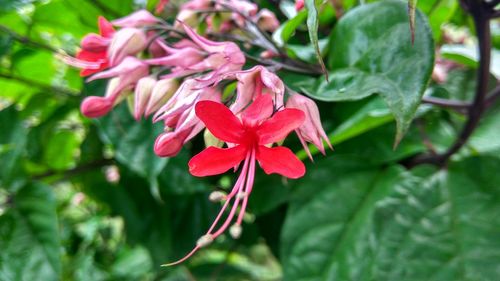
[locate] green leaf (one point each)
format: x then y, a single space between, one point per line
30 236
61 150
364 63
439 13
467 55
133 141
13 139
287 29
312 27
363 223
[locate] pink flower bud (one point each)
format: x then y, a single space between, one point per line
94 107
142 94
161 93
126 42
267 20
311 130
168 144
95 43
299 5
140 18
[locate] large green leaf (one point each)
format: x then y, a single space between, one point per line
30 236
13 139
369 58
364 223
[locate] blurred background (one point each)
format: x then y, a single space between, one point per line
85 199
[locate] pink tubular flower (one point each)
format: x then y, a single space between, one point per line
179 115
250 136
142 94
311 130
94 107
140 18
222 57
93 57
253 83
125 76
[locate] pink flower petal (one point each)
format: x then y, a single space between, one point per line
214 161
280 160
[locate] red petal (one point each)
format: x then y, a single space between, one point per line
280 160
280 125
261 109
214 161
220 121
105 27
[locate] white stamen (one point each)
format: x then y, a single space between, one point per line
235 231
241 195
217 196
204 240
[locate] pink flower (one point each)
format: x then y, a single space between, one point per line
94 107
311 130
125 76
93 56
266 20
253 83
257 129
221 57
299 5
126 42
140 18
180 118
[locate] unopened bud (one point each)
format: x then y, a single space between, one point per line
94 107
204 240
235 231
126 42
163 90
168 144
142 95
211 140
217 196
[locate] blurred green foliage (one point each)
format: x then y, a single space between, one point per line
88 200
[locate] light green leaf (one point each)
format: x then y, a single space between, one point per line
364 63
363 223
287 29
468 56
30 236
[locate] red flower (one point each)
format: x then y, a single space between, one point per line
247 140
93 57
250 136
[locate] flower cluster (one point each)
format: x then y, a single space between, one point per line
177 76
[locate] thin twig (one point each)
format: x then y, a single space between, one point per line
77 170
480 14
41 86
26 40
454 104
492 96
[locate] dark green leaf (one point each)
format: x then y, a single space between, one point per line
364 63
369 224
30 236
133 141
13 139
